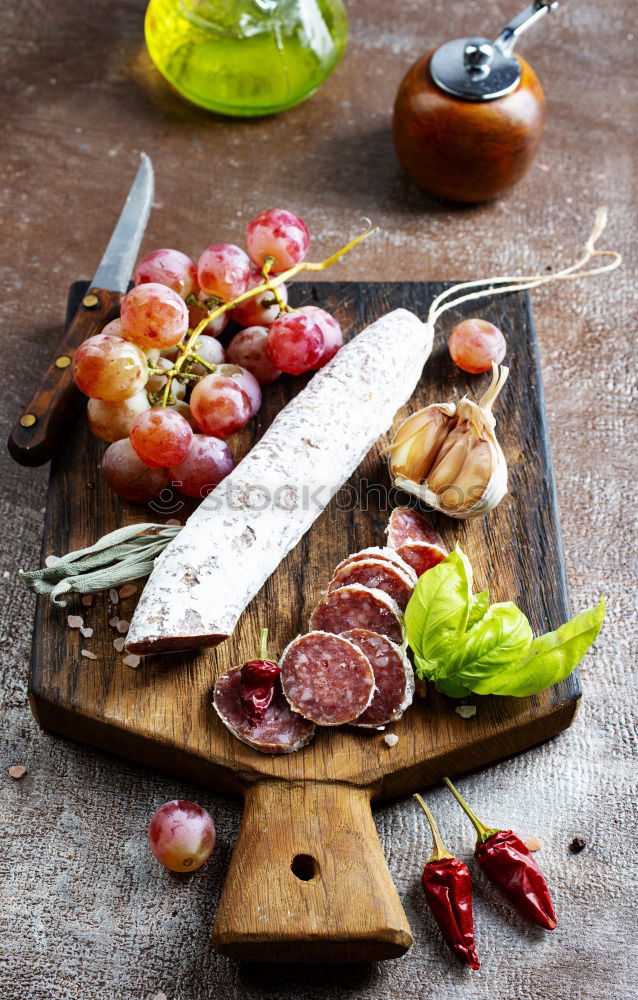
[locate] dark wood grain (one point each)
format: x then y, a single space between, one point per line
38 431
466 151
160 714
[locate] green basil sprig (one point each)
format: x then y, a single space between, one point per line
463 644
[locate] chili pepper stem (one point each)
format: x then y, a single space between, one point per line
439 851
263 645
482 830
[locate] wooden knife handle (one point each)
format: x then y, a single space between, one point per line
34 438
308 881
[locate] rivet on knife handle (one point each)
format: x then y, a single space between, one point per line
39 431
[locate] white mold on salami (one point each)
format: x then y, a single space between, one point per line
375 552
393 675
326 678
397 582
280 731
355 606
240 533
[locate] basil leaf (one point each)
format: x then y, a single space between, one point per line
451 687
498 641
437 613
479 604
551 657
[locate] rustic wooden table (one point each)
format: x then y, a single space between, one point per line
85 912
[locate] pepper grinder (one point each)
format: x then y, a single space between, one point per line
469 115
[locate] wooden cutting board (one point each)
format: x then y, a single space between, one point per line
308 880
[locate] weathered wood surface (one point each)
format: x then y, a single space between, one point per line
80 101
161 714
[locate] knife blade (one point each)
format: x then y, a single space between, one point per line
37 432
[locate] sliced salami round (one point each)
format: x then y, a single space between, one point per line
326 678
355 606
393 674
406 525
415 540
374 552
380 574
280 731
421 556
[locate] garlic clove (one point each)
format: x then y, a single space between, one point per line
418 441
447 467
472 480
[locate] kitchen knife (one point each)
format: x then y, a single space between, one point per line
36 434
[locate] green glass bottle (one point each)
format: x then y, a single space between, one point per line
246 57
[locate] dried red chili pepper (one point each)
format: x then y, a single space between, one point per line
257 686
509 862
448 891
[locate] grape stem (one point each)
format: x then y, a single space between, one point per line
283 306
270 284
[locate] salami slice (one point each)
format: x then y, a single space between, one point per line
421 556
379 574
393 674
355 606
415 540
407 525
239 534
326 678
280 731
374 552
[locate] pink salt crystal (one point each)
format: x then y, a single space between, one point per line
86 632
75 621
127 590
132 660
533 843
113 621
87 600
89 655
173 520
17 771
113 596
122 625
119 643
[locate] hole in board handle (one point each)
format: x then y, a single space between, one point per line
304 867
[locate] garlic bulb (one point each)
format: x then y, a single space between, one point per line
448 456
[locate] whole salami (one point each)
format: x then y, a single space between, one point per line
393 674
326 678
240 533
280 731
382 575
355 606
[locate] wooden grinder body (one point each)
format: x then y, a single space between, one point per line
466 151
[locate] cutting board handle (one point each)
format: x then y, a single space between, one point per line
308 881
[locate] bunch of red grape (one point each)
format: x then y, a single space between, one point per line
164 391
